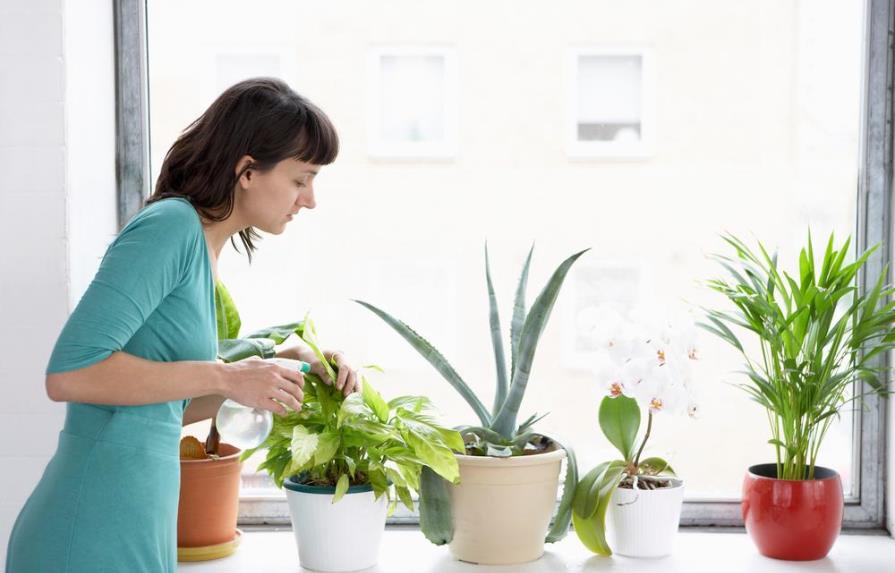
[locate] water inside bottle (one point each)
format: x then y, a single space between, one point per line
242 426
246 427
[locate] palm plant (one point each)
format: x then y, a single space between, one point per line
818 336
497 434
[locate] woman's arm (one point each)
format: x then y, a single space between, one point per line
202 408
123 379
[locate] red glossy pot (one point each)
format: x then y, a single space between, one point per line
796 520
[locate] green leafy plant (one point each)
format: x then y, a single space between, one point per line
497 433
359 439
818 336
620 422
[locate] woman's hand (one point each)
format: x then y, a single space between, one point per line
259 384
346 375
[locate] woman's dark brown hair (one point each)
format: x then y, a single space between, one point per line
263 118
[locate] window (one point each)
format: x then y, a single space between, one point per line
610 103
412 101
763 134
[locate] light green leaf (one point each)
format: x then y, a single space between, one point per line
374 400
341 487
304 443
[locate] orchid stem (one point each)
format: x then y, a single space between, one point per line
649 428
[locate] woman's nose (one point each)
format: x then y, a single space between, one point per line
307 199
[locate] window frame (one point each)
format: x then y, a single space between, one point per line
378 148
873 225
643 149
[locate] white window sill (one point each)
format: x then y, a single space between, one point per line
404 549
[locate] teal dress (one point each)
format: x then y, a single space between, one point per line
107 500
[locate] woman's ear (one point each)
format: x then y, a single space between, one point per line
244 170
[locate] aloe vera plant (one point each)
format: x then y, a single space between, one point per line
497 433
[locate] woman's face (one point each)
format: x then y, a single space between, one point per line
267 200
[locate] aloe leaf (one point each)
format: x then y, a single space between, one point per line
233 350
436 514
435 358
519 312
620 421
505 421
500 362
563 516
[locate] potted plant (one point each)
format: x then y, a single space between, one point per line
818 335
210 470
509 474
346 461
648 369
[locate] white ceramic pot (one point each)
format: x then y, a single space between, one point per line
341 536
502 507
643 523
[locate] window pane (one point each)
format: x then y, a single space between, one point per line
412 98
609 98
757 133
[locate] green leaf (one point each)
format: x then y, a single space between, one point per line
592 530
620 422
435 358
436 513
425 441
233 350
280 332
496 340
226 313
505 421
655 466
352 405
341 487
373 399
327 446
563 516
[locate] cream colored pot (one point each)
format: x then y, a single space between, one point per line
502 507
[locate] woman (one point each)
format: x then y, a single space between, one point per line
136 359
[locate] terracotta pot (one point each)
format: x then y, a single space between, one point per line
795 520
209 499
502 507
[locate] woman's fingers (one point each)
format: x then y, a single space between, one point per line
293 376
351 385
293 390
275 407
290 399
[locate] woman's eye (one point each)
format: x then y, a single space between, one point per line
300 183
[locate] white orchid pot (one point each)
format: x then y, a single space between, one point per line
644 523
341 536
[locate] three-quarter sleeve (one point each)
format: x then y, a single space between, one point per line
142 266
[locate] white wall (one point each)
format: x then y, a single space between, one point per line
57 160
